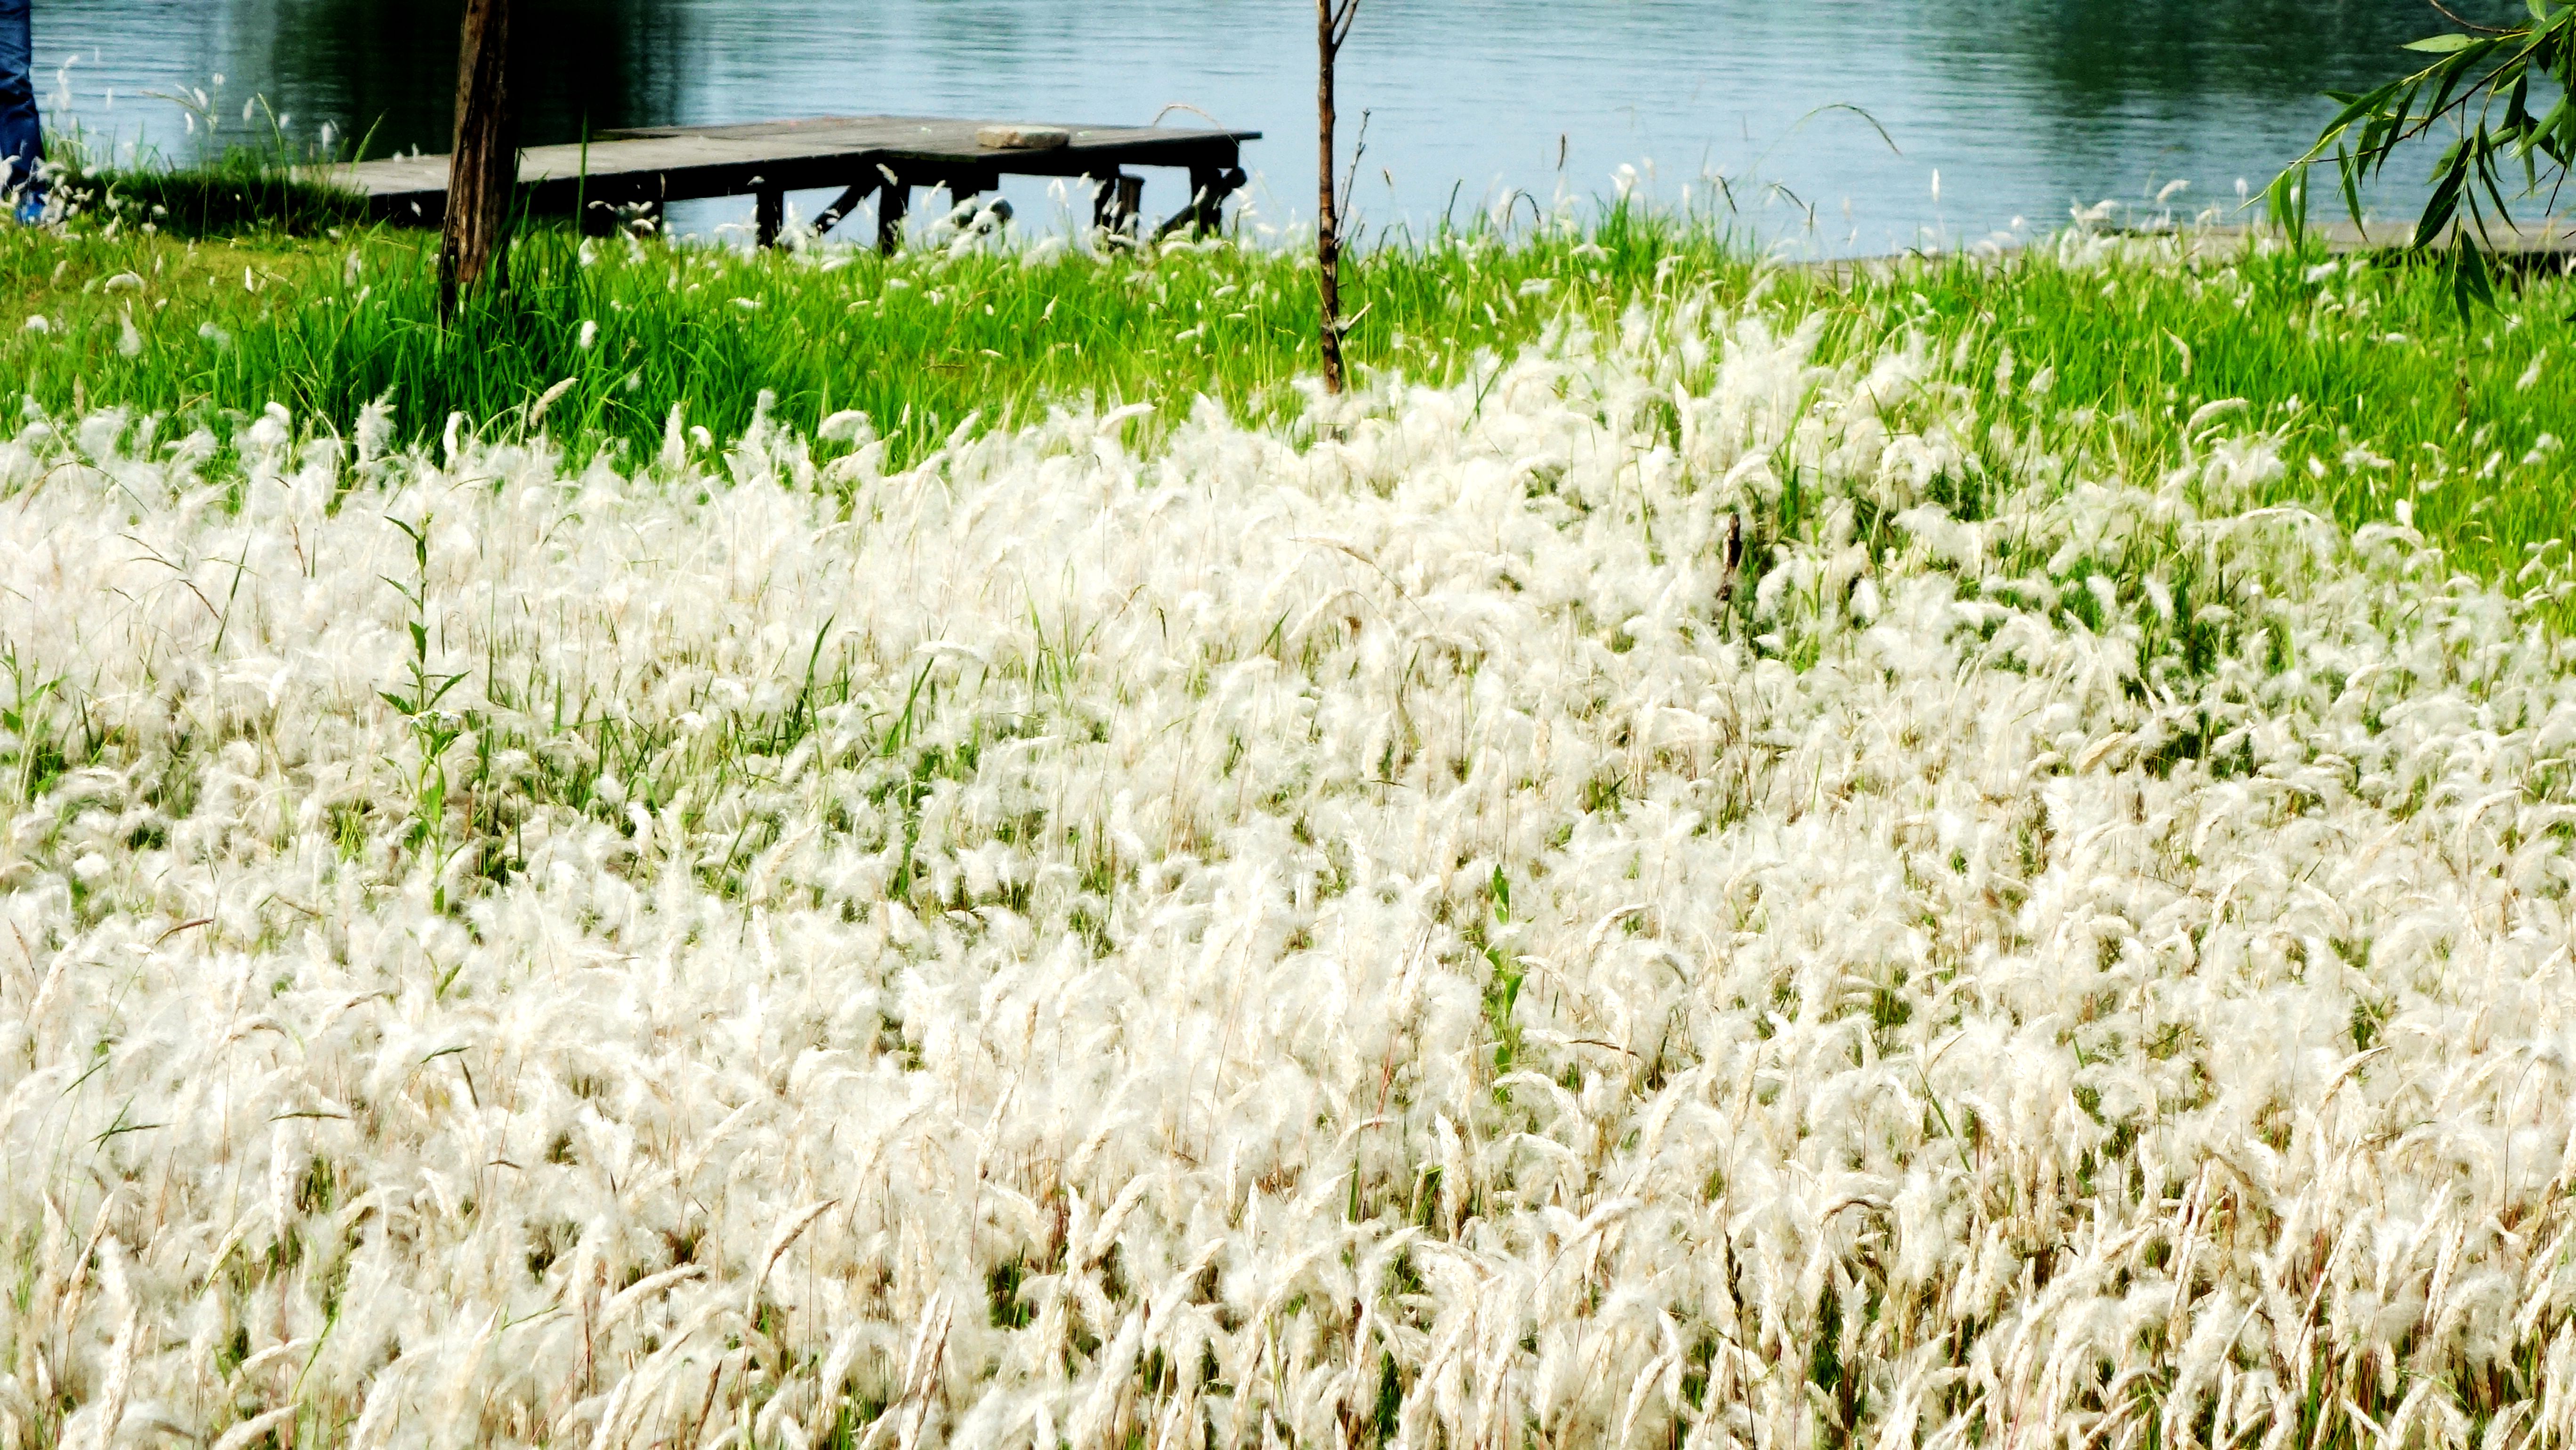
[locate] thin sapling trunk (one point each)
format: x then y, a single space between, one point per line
1332 26
483 172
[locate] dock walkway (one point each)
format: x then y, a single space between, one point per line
624 174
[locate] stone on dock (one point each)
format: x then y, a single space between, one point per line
1014 136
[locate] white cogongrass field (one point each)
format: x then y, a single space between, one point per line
1382 939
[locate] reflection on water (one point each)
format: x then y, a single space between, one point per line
2022 107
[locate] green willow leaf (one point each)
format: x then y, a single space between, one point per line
2476 95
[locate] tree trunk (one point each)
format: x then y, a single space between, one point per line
1330 22
483 172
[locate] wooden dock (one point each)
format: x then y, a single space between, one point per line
2540 241
2548 242
625 175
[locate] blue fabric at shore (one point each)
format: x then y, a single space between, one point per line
22 139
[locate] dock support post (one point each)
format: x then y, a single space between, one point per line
1207 197
963 186
768 215
1115 200
649 220
1209 187
893 200
842 205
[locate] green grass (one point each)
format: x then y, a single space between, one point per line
919 343
2383 391
237 194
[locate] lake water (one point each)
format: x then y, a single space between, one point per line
1991 110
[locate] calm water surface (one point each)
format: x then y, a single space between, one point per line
1992 110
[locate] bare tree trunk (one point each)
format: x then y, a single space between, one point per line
483 172
1332 25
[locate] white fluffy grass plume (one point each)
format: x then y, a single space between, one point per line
1386 940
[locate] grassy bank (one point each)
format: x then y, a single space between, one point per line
2381 391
